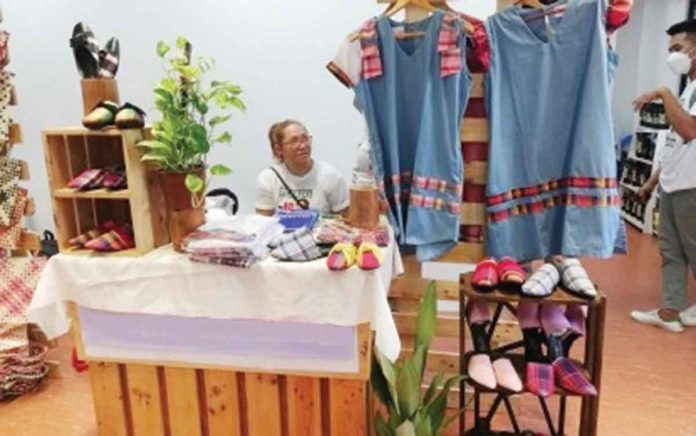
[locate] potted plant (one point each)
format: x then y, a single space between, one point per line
398 386
192 117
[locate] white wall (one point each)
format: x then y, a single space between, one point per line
276 50
642 46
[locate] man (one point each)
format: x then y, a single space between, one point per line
677 178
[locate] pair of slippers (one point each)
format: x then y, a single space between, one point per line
491 375
567 272
93 61
106 237
108 178
343 255
490 274
542 378
107 113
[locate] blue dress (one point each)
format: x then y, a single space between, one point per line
413 112
552 185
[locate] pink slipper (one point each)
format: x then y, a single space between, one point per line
369 256
341 256
120 238
572 378
506 376
540 379
510 272
481 372
80 240
486 275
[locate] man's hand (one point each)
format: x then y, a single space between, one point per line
646 191
644 99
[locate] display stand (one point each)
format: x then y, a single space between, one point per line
592 362
69 151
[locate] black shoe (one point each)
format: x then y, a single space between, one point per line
533 338
479 336
86 50
109 58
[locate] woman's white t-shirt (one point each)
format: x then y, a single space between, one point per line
323 186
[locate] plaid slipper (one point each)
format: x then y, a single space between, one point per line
298 246
120 238
115 178
102 115
542 283
539 380
485 276
80 240
88 179
341 256
86 51
109 58
575 279
572 378
130 116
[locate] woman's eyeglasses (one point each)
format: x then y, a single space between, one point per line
299 140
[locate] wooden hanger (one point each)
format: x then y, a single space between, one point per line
401 4
536 4
468 27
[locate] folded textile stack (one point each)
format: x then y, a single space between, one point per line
238 241
22 369
331 231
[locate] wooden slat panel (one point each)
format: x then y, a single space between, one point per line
223 402
304 406
445 291
473 214
438 361
139 196
447 326
348 408
474 130
263 403
404 305
15 134
24 172
108 399
476 173
467 252
146 404
182 401
477 86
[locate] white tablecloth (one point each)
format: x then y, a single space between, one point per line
167 283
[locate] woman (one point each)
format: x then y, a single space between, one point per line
296 181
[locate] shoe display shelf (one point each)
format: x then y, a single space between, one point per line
69 152
640 164
591 363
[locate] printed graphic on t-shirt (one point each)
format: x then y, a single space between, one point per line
288 203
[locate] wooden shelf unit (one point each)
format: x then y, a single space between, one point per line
68 152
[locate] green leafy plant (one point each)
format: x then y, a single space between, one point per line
192 116
398 386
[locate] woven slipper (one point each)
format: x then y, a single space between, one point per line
575 279
510 272
115 178
341 256
130 116
109 59
572 378
103 115
369 256
542 283
485 276
80 240
86 50
120 238
540 379
88 179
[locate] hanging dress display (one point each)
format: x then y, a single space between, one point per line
413 93
552 185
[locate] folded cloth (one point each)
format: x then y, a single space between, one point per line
239 262
239 235
298 246
331 231
10 234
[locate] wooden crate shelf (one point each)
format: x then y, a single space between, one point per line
71 151
102 194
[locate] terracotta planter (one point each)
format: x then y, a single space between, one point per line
176 194
183 222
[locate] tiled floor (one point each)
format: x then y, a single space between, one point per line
649 381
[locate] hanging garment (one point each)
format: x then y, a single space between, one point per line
412 93
10 170
552 185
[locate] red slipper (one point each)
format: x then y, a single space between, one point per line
572 378
539 380
115 179
120 238
80 240
486 275
510 272
88 179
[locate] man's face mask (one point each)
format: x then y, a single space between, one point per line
679 62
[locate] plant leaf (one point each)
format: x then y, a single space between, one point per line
162 49
406 429
450 419
391 374
434 385
419 358
219 119
379 383
220 170
194 183
422 425
408 388
224 138
181 42
436 408
427 316
381 426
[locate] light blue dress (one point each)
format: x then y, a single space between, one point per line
413 115
552 185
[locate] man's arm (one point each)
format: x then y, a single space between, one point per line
682 121
647 189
